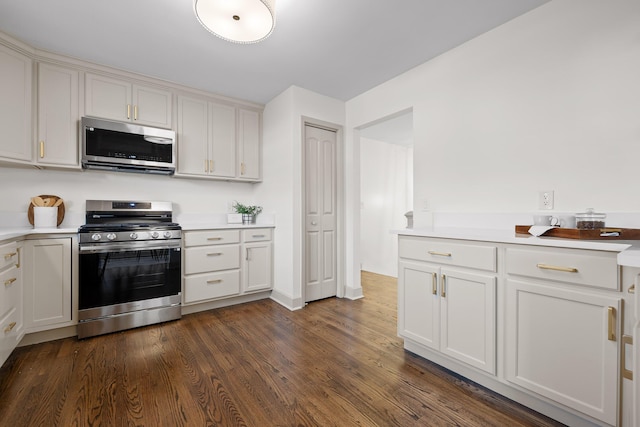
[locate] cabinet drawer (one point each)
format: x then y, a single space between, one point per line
469 255
582 267
256 235
9 290
211 258
10 331
209 286
8 254
211 237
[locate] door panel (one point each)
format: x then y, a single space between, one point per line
320 213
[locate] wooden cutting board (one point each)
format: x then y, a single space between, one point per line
575 233
60 209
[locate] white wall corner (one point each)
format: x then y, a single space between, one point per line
287 301
353 293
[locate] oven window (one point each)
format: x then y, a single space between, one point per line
121 145
119 277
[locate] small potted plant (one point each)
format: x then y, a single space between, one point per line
248 212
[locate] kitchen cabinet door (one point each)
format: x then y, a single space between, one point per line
58 115
123 101
193 137
257 268
419 303
468 318
15 105
47 283
249 147
563 344
223 140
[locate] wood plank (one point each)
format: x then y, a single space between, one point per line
335 362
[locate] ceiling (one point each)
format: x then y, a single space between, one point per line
338 48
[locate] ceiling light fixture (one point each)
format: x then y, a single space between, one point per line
238 21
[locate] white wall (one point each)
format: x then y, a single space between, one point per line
188 195
386 172
282 186
547 101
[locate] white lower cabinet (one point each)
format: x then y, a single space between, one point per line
226 263
563 344
11 303
546 322
47 283
449 310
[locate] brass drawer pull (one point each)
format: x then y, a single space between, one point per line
214 254
443 289
434 283
10 281
626 373
258 236
611 315
10 327
213 282
10 254
439 253
557 268
632 289
214 238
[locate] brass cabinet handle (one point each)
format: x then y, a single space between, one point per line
242 168
211 165
611 316
212 282
632 289
128 111
258 236
135 112
10 254
626 373
18 263
10 281
214 254
214 238
206 166
42 149
439 253
247 257
10 327
557 268
434 283
443 290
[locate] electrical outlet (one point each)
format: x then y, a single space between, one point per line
545 200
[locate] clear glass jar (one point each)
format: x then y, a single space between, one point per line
590 220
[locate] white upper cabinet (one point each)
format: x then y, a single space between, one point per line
58 114
249 144
15 105
121 100
217 141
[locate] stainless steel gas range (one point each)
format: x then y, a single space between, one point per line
129 266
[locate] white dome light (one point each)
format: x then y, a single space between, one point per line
238 21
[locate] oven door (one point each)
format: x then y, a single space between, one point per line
114 275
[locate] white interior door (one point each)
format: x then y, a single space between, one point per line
320 213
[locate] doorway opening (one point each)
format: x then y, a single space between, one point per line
386 190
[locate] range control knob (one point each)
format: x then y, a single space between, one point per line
133 236
155 234
111 236
96 237
167 234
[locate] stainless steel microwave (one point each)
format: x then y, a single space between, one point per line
127 147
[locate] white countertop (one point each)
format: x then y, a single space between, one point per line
628 251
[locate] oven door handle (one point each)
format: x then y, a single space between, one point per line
128 247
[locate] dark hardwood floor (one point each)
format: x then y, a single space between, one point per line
334 363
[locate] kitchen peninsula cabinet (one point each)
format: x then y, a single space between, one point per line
58 113
560 317
218 141
562 334
15 105
11 303
47 283
121 100
447 298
